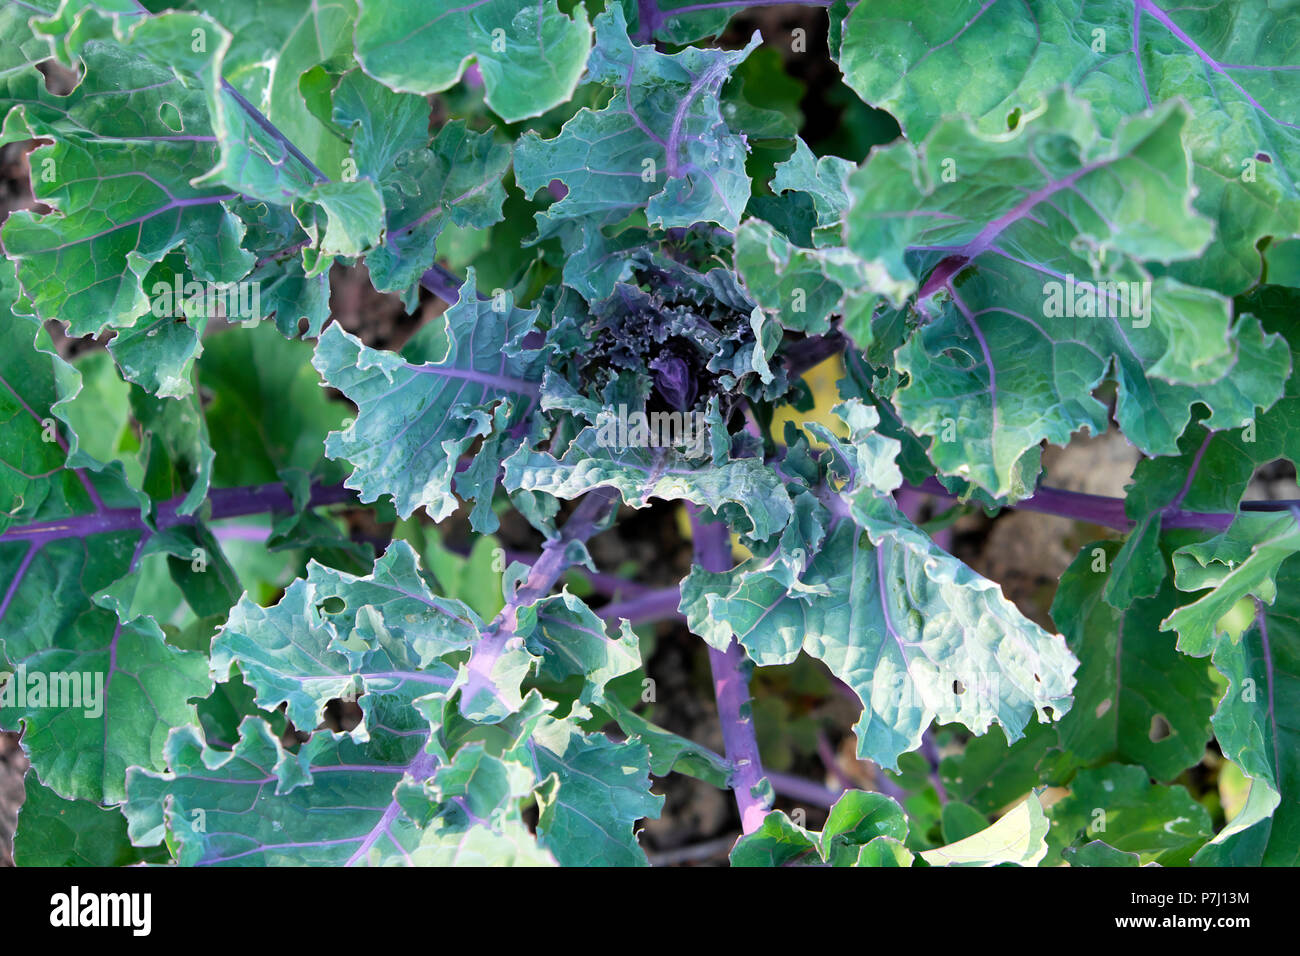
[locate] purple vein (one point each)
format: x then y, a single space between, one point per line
95 500
943 273
18 576
1164 20
714 72
1191 473
516 385
1137 52
226 503
420 769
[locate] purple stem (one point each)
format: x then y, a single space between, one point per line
443 283
730 687
805 791
931 754
241 532
1109 512
827 756
649 19
226 503
657 605
555 560
256 499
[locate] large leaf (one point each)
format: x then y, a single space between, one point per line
53 831
272 45
915 633
1254 731
530 55
128 143
1138 700
660 145
419 411
1035 288
415 783
133 687
1232 63
1119 805
456 180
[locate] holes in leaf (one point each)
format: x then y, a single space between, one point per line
1102 708
1274 479
171 117
958 688
1013 118
332 605
1264 157
342 716
1160 729
960 358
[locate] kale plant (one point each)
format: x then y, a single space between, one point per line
226 520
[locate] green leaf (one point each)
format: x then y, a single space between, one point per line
862 829
1098 853
1018 837
1004 359
1239 563
332 803
1138 699
660 145
415 782
1263 673
456 180
777 842
334 635
530 55
915 633
93 694
1232 64
593 791
53 831
1119 804
128 143
989 774
420 410
247 372
94 691
640 474
272 45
